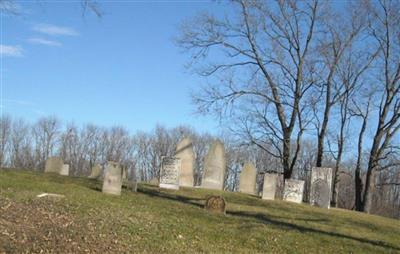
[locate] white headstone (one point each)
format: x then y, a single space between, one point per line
293 191
270 186
96 171
248 177
112 183
321 187
214 167
169 173
64 170
53 165
184 151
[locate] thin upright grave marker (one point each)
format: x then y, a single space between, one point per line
184 151
214 167
293 191
169 173
270 186
112 183
321 184
248 176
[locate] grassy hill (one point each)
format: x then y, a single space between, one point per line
161 221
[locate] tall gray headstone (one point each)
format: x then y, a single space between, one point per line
96 171
214 167
169 173
321 185
64 170
184 151
293 191
248 177
53 165
270 186
112 182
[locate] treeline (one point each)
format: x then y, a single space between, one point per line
27 145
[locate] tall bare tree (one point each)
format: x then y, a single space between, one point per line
263 70
385 31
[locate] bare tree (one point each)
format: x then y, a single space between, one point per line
21 149
264 70
385 30
5 129
341 32
46 133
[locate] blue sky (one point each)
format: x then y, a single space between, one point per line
122 69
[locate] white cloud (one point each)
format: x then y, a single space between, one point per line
7 50
37 40
54 30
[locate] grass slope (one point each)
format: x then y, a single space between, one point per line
161 221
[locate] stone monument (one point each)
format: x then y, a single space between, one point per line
293 191
270 187
214 167
184 151
169 173
96 171
53 165
112 183
321 185
215 204
248 177
64 170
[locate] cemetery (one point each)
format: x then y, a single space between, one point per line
112 214
200 126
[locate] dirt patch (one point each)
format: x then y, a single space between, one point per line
45 225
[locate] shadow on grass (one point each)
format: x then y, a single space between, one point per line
268 220
174 197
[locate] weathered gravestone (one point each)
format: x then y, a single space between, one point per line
112 182
293 191
64 170
184 151
248 176
132 185
270 187
215 204
96 171
214 167
321 184
154 181
124 173
169 173
53 165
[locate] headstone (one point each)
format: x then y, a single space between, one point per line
293 191
184 151
96 171
154 181
215 204
169 173
132 185
112 183
214 167
270 186
64 170
248 177
124 173
321 185
53 165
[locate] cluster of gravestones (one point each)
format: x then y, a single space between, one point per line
178 171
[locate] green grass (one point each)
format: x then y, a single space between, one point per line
163 221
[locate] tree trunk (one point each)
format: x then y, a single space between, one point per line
369 191
358 190
287 170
